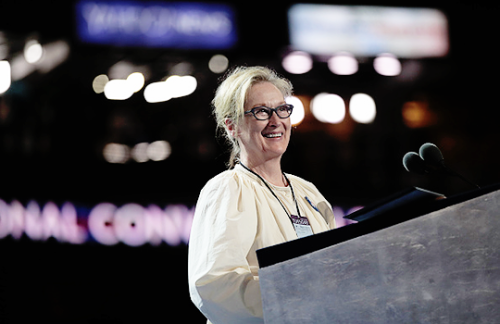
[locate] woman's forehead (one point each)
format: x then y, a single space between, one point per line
264 94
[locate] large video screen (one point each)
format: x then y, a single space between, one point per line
368 30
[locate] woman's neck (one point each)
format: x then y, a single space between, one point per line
269 170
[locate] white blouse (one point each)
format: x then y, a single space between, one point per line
236 214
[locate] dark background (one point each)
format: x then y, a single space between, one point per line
52 139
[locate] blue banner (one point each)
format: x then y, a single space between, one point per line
183 25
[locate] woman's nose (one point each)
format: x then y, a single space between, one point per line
274 119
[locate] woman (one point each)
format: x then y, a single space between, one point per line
253 204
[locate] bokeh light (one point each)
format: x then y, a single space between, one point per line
387 64
136 81
297 62
118 89
5 76
328 108
54 54
174 87
4 46
33 51
159 150
416 114
116 153
157 92
121 69
99 83
218 63
362 108
139 152
298 110
20 68
343 63
181 86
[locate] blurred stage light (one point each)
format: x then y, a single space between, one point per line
362 108
5 76
99 83
298 110
387 64
218 63
181 86
182 68
33 51
139 152
118 90
54 54
297 62
121 70
157 92
174 87
416 114
343 63
136 81
4 51
328 108
159 150
20 68
4 47
116 153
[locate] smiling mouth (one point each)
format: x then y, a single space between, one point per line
272 135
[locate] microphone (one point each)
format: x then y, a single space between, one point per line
414 163
431 154
430 160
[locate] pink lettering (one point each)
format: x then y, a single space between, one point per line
129 225
50 221
70 231
170 229
100 223
16 215
153 225
4 219
33 222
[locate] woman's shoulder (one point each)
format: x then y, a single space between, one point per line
225 177
228 179
221 179
227 185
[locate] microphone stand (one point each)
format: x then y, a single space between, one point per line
448 171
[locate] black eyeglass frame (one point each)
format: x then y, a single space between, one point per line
275 110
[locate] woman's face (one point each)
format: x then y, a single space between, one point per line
263 140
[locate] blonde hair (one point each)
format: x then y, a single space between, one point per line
230 97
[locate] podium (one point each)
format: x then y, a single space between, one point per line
436 264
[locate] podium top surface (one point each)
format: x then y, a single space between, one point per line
282 252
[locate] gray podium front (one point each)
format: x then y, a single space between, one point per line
440 267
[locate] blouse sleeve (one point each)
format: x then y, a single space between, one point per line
224 229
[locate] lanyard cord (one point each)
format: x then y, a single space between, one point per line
272 191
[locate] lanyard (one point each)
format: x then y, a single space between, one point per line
272 191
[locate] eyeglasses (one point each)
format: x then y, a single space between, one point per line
264 113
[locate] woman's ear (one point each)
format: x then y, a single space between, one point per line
231 127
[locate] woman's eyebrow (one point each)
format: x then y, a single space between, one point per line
264 105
